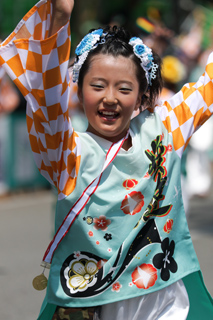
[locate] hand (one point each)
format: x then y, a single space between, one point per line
62 10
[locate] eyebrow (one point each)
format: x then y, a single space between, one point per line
119 82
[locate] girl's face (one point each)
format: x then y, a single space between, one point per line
110 94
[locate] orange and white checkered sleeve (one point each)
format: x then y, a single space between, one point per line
38 65
187 110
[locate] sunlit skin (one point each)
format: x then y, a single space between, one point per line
110 93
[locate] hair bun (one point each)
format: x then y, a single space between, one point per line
117 33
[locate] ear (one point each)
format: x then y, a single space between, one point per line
139 101
80 95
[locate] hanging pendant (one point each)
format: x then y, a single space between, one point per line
40 282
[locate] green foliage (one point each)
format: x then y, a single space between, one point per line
101 12
11 11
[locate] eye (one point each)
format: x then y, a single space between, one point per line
97 86
125 90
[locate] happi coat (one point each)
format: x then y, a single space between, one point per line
131 238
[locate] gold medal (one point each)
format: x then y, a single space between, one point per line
40 282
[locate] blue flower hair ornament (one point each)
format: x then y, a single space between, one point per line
96 37
144 53
88 43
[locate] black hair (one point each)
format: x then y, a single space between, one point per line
115 43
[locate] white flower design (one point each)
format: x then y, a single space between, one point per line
77 254
81 274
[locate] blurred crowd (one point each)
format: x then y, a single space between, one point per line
184 56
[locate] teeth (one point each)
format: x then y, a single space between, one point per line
108 113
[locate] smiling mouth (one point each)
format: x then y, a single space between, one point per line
109 115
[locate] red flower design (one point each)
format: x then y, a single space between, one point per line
101 263
147 175
169 147
168 226
116 286
101 223
132 203
129 183
90 233
144 276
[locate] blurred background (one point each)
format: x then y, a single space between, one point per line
181 32
172 13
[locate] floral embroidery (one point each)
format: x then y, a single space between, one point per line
168 226
144 276
108 236
77 254
90 233
164 261
147 176
81 274
81 277
101 223
101 263
88 219
116 287
129 183
132 203
169 148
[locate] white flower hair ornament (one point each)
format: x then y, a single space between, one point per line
88 43
145 55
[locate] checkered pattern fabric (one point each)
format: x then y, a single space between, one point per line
39 69
186 111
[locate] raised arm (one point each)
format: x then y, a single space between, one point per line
187 110
38 65
62 10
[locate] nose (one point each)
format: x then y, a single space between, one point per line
110 98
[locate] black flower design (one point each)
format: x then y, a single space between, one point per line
108 236
165 261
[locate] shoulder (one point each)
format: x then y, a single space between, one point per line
144 118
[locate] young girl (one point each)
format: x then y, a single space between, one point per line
122 248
